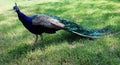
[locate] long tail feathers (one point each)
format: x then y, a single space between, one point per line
79 30
90 33
95 33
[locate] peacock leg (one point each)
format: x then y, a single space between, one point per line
41 38
42 42
35 40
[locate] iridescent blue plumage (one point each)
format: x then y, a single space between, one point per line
80 30
44 23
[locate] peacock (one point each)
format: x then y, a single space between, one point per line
46 23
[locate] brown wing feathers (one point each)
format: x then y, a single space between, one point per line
47 21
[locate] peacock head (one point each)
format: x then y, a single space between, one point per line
16 7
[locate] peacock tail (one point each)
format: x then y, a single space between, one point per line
80 30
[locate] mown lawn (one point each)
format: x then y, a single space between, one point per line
62 48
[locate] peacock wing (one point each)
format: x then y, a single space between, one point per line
47 21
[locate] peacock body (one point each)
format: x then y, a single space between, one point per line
56 22
44 23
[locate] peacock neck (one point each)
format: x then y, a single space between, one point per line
23 18
26 21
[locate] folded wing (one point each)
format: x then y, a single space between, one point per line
47 21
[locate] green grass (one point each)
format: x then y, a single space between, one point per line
61 48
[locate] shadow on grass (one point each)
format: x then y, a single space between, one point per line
14 54
21 50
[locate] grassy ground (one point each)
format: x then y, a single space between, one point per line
62 48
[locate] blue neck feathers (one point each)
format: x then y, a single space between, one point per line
23 18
